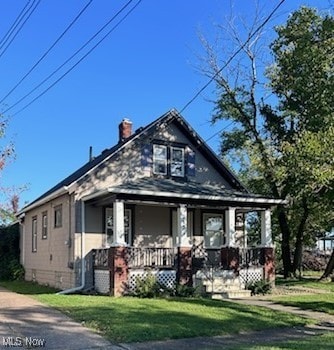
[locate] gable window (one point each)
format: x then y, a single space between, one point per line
109 224
213 230
168 160
177 161
45 225
160 159
58 216
34 234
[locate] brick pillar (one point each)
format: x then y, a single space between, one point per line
267 260
118 268
230 258
184 266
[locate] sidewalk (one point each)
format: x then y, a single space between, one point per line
25 321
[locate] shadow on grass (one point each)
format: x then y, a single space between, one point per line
133 320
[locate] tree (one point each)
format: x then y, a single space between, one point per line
285 145
9 196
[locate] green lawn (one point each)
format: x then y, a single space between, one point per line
323 302
133 319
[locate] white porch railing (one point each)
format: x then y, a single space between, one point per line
139 257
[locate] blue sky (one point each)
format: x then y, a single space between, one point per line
143 69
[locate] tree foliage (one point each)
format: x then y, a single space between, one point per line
286 145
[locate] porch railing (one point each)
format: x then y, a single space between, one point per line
139 257
250 257
100 258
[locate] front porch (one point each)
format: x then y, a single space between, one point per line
183 238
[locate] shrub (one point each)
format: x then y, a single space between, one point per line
259 287
147 287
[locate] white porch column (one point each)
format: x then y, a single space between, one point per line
230 227
182 226
118 217
266 238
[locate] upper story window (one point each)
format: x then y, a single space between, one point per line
168 160
160 159
45 225
58 216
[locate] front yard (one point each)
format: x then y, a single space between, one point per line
134 320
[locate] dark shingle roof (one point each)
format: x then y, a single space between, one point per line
165 118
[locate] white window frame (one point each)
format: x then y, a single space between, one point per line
172 172
34 234
109 226
58 216
44 225
213 238
158 159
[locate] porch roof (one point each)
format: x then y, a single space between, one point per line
159 189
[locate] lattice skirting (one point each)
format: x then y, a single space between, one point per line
165 277
250 275
102 281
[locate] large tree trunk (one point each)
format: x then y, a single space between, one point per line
297 258
285 245
329 268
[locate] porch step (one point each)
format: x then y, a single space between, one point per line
235 294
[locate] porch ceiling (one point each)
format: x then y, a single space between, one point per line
181 191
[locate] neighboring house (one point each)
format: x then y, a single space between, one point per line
161 199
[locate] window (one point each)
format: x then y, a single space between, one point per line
160 159
110 226
177 161
45 225
34 234
213 230
168 160
58 218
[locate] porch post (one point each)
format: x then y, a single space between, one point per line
267 250
182 226
230 227
266 239
230 253
119 234
184 265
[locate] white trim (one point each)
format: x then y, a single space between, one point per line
196 196
59 192
230 227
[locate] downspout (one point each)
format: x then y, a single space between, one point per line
83 248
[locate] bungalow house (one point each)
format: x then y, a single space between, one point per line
160 199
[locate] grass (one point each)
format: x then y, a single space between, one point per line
323 302
133 319
320 342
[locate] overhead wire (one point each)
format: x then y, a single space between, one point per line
268 18
72 56
47 51
20 28
11 28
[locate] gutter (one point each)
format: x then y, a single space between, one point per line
197 196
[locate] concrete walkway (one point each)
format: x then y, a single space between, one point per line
25 321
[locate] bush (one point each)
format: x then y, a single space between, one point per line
149 287
259 287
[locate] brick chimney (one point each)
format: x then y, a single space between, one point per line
125 129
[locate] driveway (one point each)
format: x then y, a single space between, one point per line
26 323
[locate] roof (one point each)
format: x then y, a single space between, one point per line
168 117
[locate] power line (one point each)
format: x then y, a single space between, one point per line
83 57
48 51
233 56
11 28
20 28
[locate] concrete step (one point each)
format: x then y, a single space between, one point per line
222 288
237 294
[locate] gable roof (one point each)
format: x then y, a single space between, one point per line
167 118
